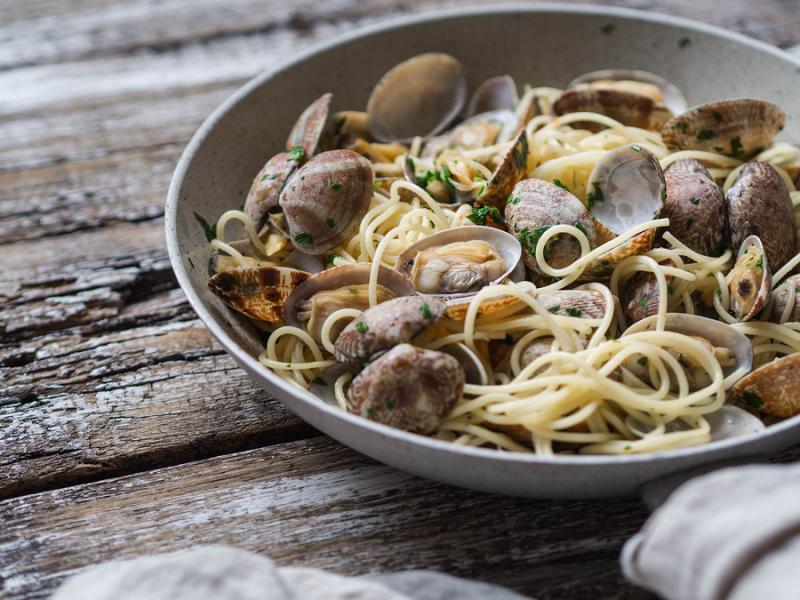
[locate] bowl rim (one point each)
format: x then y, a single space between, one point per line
254 367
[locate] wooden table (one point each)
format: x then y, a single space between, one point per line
124 428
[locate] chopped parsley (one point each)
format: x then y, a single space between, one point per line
296 153
717 116
444 176
705 134
479 215
684 42
752 399
390 403
681 126
530 239
362 327
513 199
560 184
694 200
432 224
330 222
670 289
574 312
304 238
627 448
377 184
336 185
760 263
426 311
209 230
642 360
330 258
636 148
736 145
596 196
269 177
643 301
319 381
579 226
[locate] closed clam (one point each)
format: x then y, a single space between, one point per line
266 188
695 207
611 99
460 260
535 206
385 325
325 200
474 370
738 128
496 93
536 349
759 204
409 388
309 128
346 286
641 296
750 280
771 389
258 293
638 82
419 97
585 304
781 296
509 172
480 130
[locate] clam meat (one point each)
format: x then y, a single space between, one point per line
771 389
750 280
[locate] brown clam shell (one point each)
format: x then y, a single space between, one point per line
409 388
695 207
738 128
771 389
587 304
325 199
496 93
385 325
266 189
780 297
310 126
258 293
535 206
538 347
759 204
509 172
605 264
641 296
628 108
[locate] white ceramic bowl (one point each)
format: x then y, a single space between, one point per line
542 45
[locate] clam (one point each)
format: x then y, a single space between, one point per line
780 297
409 388
385 325
626 188
586 304
496 93
349 125
536 205
480 130
732 349
325 200
738 128
474 371
638 82
509 172
772 388
695 207
726 423
536 349
258 293
759 204
750 280
460 260
346 286
310 126
627 107
641 296
419 97
265 191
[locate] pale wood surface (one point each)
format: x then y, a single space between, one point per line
106 372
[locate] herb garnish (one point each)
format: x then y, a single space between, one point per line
717 116
636 148
752 399
390 403
681 126
336 185
530 239
643 301
304 238
694 200
269 177
579 226
209 230
297 153
513 199
362 327
596 196
330 257
642 360
479 215
426 311
330 222
560 184
574 312
705 134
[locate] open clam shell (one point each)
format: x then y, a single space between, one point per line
258 293
738 128
649 84
632 109
266 188
641 296
474 371
509 172
772 388
496 93
780 297
750 280
310 126
585 304
469 269
604 265
726 423
419 97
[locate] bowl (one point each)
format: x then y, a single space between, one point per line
544 45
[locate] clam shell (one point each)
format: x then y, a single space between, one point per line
633 110
537 348
605 263
779 298
587 304
738 128
496 93
509 172
507 246
267 186
740 281
695 207
409 388
670 95
771 389
535 206
310 126
731 422
258 293
479 131
641 296
349 125
759 204
385 325
325 200
474 371
419 97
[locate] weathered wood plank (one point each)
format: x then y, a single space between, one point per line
313 503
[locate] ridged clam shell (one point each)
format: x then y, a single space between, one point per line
779 298
740 284
629 109
509 172
586 304
771 389
695 207
738 128
267 186
310 126
385 325
325 199
419 97
605 264
759 204
641 296
537 205
409 388
258 293
669 94
496 93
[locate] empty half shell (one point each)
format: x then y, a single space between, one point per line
409 388
750 280
496 93
266 188
310 126
738 128
258 293
781 296
419 97
771 389
509 172
638 82
585 304
632 109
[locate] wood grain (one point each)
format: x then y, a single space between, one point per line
313 503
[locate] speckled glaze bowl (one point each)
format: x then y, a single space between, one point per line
543 45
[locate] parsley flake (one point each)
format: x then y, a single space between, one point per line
705 134
296 153
643 301
330 258
560 184
336 185
694 200
426 311
594 197
752 399
362 327
390 403
304 238
574 312
269 177
636 148
479 215
330 222
642 360
208 229
681 126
